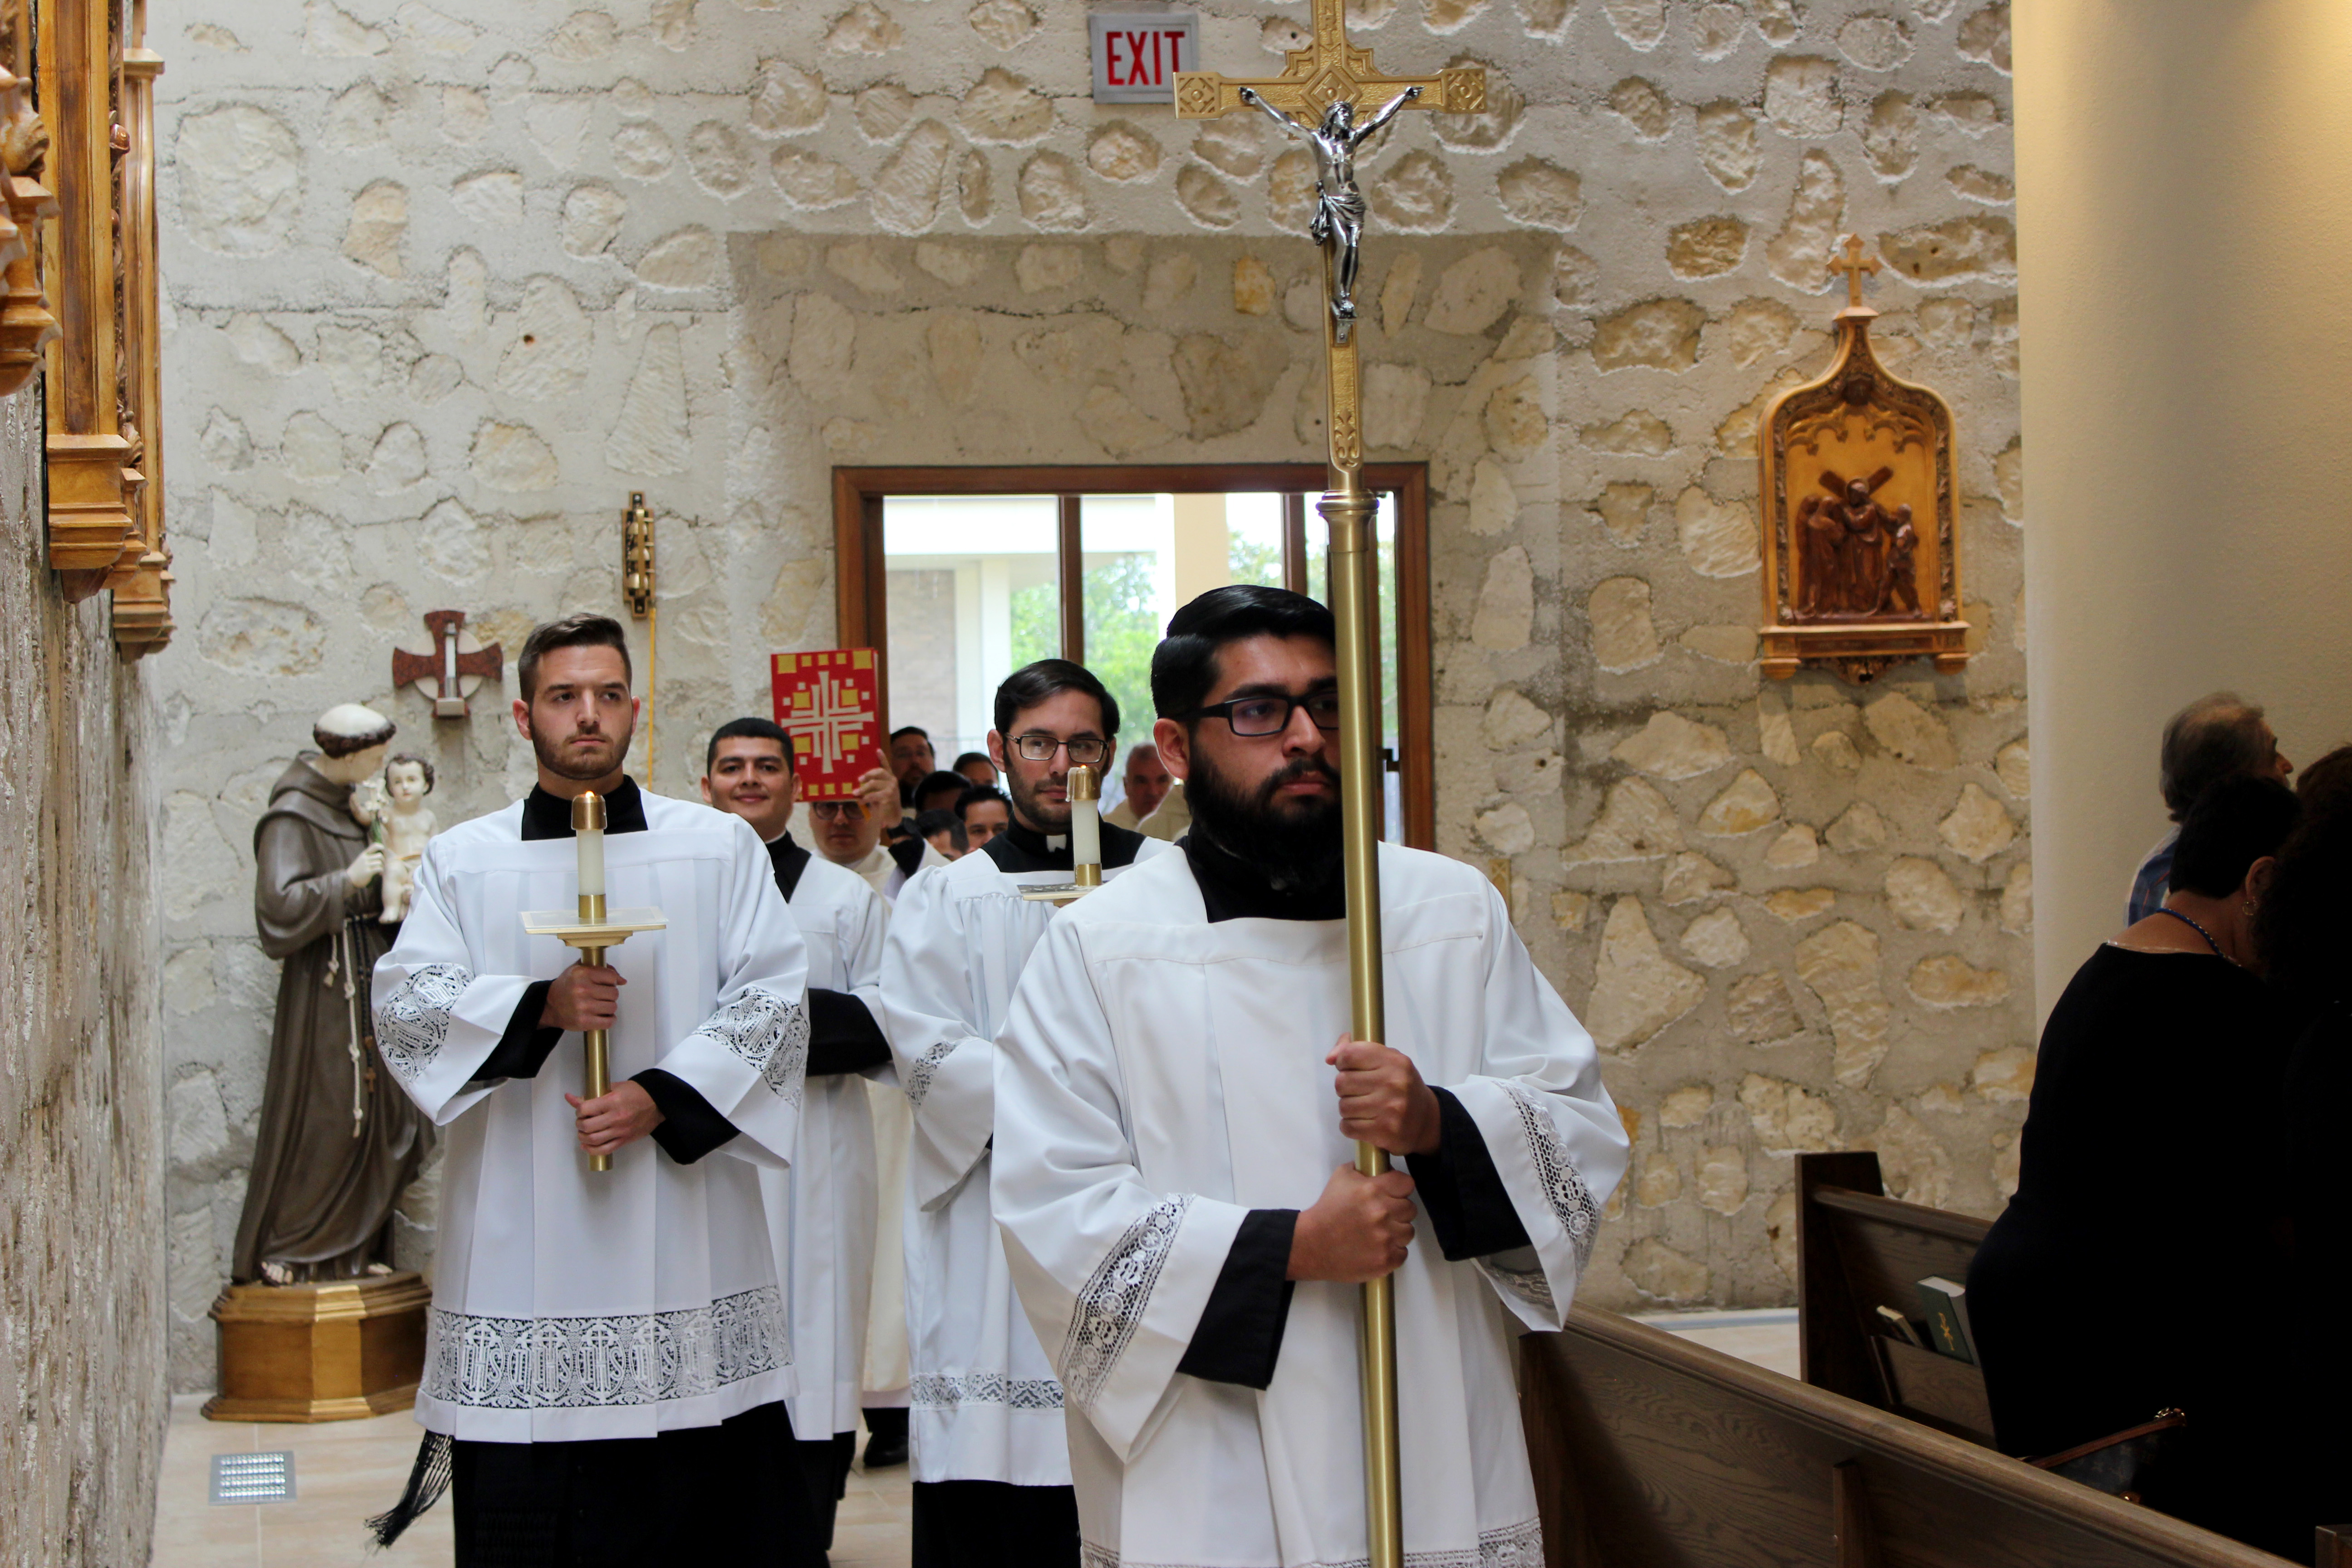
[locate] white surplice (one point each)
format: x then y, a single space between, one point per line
985 1406
820 1213
569 1305
1159 1078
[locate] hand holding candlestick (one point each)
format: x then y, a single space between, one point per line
588 834
592 933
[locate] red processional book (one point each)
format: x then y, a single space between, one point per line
830 704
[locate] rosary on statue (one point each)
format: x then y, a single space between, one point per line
1331 97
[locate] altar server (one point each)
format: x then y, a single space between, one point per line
820 1213
990 1464
1175 1135
608 1358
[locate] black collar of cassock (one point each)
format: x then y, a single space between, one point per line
789 860
1021 848
546 816
1232 889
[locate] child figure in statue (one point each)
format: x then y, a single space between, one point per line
396 808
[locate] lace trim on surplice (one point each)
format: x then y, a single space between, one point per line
413 1020
941 1393
1111 1305
926 1068
768 1033
1563 1185
586 1363
1513 1546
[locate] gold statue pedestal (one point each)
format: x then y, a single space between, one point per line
340 1351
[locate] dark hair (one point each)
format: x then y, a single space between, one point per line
1184 666
977 793
2303 922
2237 823
911 729
582 629
430 777
2326 786
929 822
957 766
2214 738
1032 683
939 783
747 730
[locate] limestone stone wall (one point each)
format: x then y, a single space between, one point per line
448 283
81 1115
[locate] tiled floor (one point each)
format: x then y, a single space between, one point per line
346 1470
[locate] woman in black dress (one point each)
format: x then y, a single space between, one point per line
2304 931
2126 1276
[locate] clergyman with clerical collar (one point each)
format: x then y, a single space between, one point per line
991 1459
1178 1103
563 1443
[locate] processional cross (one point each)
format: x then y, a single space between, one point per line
1331 97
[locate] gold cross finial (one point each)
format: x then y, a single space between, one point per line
1854 268
1327 71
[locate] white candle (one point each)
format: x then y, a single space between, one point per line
1086 819
449 667
588 832
591 863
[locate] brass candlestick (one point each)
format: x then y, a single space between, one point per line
594 933
1086 826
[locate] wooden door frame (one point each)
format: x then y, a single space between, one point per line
862 606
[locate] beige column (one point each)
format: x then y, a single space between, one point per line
1203 561
2185 240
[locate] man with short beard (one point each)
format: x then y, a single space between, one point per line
1174 1173
991 1460
608 1359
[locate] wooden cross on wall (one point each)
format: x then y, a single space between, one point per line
446 668
1327 71
1855 269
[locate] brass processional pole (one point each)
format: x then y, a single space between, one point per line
1331 98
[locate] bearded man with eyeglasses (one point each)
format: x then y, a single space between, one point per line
991 1475
1178 1102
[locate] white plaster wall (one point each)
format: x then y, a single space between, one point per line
2186 399
447 287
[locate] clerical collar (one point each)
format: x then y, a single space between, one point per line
1021 848
789 860
546 816
1232 889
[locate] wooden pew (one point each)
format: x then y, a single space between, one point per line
1858 1250
1653 1452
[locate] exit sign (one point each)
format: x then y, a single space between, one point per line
1137 54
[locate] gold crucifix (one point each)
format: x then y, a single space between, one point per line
1326 71
1854 268
1331 97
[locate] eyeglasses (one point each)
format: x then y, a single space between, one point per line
1255 716
1086 750
829 809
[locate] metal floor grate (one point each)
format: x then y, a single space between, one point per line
253 1477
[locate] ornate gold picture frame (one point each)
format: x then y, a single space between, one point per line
1862 555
